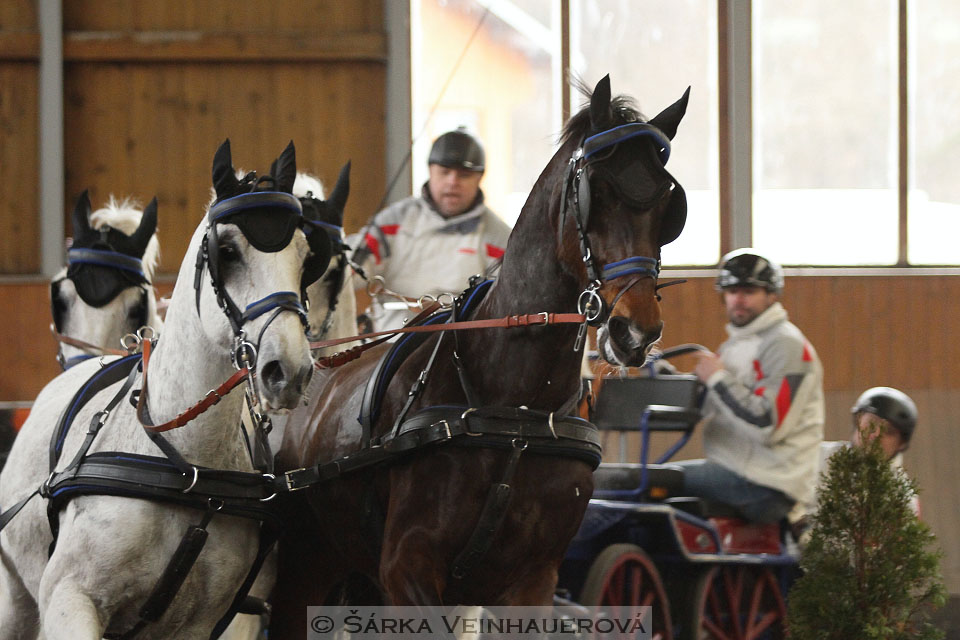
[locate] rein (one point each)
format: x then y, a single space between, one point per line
507 322
86 346
213 397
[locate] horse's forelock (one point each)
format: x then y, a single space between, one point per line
578 127
124 215
308 183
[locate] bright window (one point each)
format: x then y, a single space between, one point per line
934 195
505 89
825 131
672 44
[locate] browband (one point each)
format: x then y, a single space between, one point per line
254 200
617 135
104 258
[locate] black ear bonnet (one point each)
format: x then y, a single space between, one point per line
103 262
636 172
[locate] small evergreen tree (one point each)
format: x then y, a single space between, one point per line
870 572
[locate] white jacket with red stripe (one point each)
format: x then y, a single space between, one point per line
765 409
418 251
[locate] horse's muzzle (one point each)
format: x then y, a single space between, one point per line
624 344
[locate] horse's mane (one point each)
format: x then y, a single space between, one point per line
124 216
306 183
624 110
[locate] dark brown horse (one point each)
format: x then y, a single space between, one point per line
591 231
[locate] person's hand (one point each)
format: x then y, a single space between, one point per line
708 363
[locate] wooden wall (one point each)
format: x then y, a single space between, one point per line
152 88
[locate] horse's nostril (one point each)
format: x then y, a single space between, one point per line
272 374
619 329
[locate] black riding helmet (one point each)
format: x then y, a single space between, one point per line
745 267
890 404
458 149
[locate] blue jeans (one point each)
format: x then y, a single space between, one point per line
711 481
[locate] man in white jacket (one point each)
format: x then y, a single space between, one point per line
764 405
432 243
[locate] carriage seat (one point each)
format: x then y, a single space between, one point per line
736 534
663 480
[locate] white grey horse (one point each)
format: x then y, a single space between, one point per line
111 551
106 290
332 313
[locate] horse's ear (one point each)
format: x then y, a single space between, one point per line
600 113
338 199
284 169
224 176
81 219
668 119
148 226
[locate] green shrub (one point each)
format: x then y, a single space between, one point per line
870 568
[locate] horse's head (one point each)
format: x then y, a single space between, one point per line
258 258
620 206
325 216
104 292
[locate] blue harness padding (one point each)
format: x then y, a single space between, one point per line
390 362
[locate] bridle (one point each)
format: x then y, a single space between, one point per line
576 189
268 220
129 274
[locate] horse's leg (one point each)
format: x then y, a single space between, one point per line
18 610
67 613
302 580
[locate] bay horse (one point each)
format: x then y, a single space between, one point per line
105 291
120 509
410 523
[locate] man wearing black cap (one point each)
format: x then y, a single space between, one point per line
764 402
433 243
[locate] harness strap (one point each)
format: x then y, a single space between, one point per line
491 517
10 513
507 322
490 427
268 536
213 397
86 346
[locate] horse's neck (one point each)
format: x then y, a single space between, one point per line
344 321
182 368
540 371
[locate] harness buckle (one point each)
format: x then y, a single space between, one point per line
466 424
290 483
545 316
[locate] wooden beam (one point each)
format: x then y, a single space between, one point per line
198 46
19 46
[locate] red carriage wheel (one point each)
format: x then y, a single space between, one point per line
623 575
741 602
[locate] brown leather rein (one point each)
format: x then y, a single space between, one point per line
86 346
215 395
507 322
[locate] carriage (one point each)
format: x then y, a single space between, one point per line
705 572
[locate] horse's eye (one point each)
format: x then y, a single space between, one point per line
228 253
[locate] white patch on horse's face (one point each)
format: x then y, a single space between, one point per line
100 326
283 364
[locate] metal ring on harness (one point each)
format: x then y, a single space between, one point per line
522 446
193 483
271 477
466 425
146 332
244 352
445 300
424 301
130 342
592 304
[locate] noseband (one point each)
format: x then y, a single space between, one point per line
576 185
